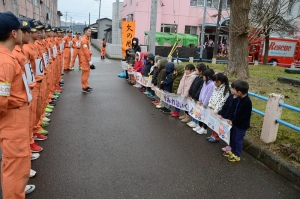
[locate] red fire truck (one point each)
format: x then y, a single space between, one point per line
284 51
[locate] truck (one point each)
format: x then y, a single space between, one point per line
284 51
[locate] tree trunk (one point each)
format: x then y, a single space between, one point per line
267 43
238 37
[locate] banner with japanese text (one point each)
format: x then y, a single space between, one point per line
128 33
205 115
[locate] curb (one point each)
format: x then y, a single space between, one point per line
273 162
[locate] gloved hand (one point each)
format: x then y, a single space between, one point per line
91 63
92 67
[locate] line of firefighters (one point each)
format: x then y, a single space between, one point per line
33 57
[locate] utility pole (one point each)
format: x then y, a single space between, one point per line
203 29
218 28
153 19
66 21
71 25
117 21
89 18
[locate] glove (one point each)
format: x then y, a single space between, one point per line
92 67
91 63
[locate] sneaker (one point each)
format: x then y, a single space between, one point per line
213 140
159 106
45 124
189 123
226 148
197 128
29 189
146 93
175 114
50 107
234 158
227 154
182 117
39 137
166 111
208 137
45 119
32 173
72 68
89 88
48 110
43 132
136 85
155 101
35 156
52 103
80 68
202 131
47 114
193 125
57 93
35 148
86 91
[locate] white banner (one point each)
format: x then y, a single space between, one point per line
205 115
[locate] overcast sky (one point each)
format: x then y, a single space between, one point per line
79 9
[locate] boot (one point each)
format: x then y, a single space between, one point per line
186 119
182 117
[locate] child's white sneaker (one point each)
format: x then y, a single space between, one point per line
193 125
189 123
202 131
197 128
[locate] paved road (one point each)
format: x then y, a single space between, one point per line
114 144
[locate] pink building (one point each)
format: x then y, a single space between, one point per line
187 14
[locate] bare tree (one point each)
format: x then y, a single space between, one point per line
272 16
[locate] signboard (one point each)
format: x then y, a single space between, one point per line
281 48
128 33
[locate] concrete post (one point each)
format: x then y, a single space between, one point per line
214 61
169 58
273 112
255 63
274 63
191 59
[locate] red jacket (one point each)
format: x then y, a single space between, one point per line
139 62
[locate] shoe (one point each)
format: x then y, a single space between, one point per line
86 91
35 148
193 125
226 148
197 128
50 107
208 138
55 96
146 93
43 132
163 109
35 156
202 131
150 95
172 112
72 68
45 124
189 123
29 189
48 110
80 68
159 106
227 154
57 93
32 173
47 114
166 111
155 101
45 119
182 117
52 103
175 114
234 158
186 119
213 140
89 88
39 137
53 100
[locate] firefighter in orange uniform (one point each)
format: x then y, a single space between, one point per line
76 50
103 48
14 112
86 60
67 40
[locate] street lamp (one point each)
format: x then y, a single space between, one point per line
99 7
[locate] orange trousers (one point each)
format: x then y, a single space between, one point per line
76 52
38 111
14 142
67 58
85 74
103 51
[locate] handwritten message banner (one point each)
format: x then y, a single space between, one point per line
128 33
205 115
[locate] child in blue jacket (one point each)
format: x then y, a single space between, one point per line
167 84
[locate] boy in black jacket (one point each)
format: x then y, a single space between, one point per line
241 113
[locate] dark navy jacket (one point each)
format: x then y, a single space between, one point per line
241 114
167 83
227 107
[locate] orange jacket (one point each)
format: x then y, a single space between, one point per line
57 41
12 88
85 48
33 54
76 43
67 41
25 65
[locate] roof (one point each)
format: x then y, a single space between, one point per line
184 39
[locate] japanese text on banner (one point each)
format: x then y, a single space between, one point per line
128 33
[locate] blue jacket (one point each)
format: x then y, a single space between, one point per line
241 114
167 83
227 108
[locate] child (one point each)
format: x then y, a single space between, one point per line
240 121
177 77
131 61
205 94
167 84
161 75
218 99
138 65
149 64
184 87
227 109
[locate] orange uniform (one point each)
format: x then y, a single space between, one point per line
103 49
14 126
58 44
76 50
86 56
26 68
52 65
67 51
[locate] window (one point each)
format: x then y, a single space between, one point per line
191 30
215 4
291 3
168 28
193 3
210 3
36 2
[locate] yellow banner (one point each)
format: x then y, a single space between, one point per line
128 33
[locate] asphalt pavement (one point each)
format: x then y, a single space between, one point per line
113 143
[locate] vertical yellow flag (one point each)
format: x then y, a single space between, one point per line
128 33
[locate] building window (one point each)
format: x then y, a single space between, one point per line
210 3
193 3
36 2
190 30
168 28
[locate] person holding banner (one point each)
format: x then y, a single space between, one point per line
167 84
15 97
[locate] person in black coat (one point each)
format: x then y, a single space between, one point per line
135 45
167 84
